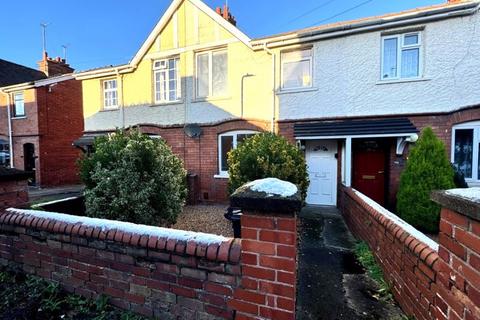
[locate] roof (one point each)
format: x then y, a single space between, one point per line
373 20
12 73
355 128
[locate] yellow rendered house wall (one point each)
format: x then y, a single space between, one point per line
138 84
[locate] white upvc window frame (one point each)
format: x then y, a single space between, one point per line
210 73
400 48
15 114
284 61
234 134
167 79
475 126
106 104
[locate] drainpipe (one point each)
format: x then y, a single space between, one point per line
120 95
241 92
270 52
10 134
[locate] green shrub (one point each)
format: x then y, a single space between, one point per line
428 169
267 155
132 177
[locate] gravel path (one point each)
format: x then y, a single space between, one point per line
205 218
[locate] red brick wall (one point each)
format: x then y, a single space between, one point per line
13 193
60 123
459 267
201 155
252 278
409 265
269 252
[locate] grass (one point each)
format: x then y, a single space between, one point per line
32 298
367 260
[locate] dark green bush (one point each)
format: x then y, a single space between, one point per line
267 155
428 169
132 177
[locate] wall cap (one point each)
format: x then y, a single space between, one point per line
259 201
465 206
9 174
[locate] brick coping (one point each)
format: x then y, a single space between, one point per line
458 204
227 251
420 249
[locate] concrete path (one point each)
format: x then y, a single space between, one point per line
36 194
331 284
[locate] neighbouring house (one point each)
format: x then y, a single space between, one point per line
353 94
195 82
40 116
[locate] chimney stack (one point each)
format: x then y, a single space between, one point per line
225 13
54 66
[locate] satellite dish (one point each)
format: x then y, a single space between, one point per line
193 130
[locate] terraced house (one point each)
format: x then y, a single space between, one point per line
353 95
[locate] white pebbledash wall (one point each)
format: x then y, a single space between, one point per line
347 75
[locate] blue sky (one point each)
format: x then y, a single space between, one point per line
104 32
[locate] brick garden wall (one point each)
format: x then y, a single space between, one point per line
251 278
13 193
427 284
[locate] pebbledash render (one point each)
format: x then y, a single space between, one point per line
352 95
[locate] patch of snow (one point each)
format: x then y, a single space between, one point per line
472 194
106 225
53 202
399 221
273 186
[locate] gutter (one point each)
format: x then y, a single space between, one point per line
360 27
274 64
10 134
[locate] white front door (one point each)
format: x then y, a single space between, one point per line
322 171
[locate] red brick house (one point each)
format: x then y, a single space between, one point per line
40 116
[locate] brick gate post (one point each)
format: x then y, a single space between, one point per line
269 255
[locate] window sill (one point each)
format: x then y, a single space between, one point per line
298 90
110 109
402 80
221 176
19 118
166 103
211 99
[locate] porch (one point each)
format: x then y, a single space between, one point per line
368 155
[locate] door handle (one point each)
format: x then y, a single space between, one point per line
381 172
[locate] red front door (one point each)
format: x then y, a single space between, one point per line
369 173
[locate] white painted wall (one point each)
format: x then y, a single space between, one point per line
347 75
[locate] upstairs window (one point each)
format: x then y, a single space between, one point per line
466 150
212 74
401 56
110 94
18 105
297 69
228 141
167 80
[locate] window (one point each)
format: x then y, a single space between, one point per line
297 69
110 94
466 150
212 74
226 142
401 56
167 80
18 105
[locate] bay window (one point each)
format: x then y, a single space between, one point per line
466 150
167 80
212 74
226 142
297 69
401 56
